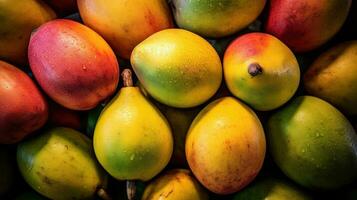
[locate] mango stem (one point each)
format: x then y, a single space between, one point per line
127 78
130 189
103 194
255 69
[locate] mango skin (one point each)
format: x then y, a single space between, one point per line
225 146
176 184
177 68
132 139
73 64
123 23
216 18
269 188
279 79
304 25
17 20
333 77
60 164
313 144
23 108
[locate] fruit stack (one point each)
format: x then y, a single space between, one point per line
178 99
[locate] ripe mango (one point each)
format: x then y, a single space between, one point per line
271 188
123 23
132 139
17 20
60 164
304 25
23 109
225 146
313 144
73 64
177 68
333 77
176 184
261 70
216 18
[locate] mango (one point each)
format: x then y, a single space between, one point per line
225 146
177 68
123 23
260 70
132 139
60 164
23 109
7 177
216 18
271 188
176 184
73 64
313 144
17 20
333 77
305 25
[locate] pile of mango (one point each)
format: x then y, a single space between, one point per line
178 99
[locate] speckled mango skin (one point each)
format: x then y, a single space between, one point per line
132 139
304 25
333 77
176 184
269 188
125 23
313 144
73 64
60 164
225 146
216 18
17 20
177 68
279 79
23 108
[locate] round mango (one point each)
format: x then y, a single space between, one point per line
261 70
333 77
178 68
225 146
304 25
23 109
123 23
60 164
177 184
313 144
17 20
73 64
216 18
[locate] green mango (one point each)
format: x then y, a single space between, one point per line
313 144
